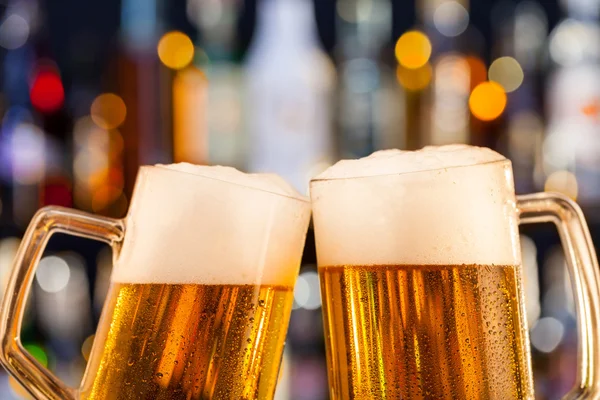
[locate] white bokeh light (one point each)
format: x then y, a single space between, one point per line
451 18
547 334
572 42
307 292
14 32
53 274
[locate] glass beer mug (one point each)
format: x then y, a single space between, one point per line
201 289
421 279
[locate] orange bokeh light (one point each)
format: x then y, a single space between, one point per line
108 111
413 49
487 101
175 50
414 79
478 71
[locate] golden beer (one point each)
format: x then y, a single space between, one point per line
158 341
424 332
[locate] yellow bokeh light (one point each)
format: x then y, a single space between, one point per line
413 49
507 72
563 182
487 101
105 196
18 390
86 347
108 111
175 50
414 79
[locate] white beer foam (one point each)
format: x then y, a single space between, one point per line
212 225
267 182
447 205
393 161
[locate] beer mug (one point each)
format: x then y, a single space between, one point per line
201 290
421 278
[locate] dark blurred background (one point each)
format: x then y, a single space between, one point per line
89 91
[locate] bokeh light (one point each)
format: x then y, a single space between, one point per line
307 293
18 390
530 279
353 12
38 353
56 192
190 138
109 196
487 101
108 111
86 347
507 72
47 93
28 153
563 182
52 274
477 71
413 49
14 32
531 29
414 79
361 75
451 18
175 50
573 41
547 334
449 113
591 109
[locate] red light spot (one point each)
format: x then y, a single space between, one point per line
47 93
591 109
57 192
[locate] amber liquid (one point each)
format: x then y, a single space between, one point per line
187 342
425 332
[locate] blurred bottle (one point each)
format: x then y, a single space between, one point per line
370 103
572 145
520 32
215 19
289 92
145 87
456 60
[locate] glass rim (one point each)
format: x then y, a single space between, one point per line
299 198
347 178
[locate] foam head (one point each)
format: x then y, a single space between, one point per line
446 205
212 225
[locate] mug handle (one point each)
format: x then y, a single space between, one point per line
585 279
39 381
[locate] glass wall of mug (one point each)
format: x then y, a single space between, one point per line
420 271
201 290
